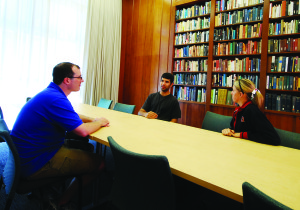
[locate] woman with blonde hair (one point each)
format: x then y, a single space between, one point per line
248 122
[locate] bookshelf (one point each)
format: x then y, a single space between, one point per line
283 70
192 28
244 40
237 47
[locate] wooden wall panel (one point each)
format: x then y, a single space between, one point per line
145 48
285 122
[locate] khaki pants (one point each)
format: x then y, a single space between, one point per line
69 162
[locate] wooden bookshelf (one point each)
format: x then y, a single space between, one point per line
280 119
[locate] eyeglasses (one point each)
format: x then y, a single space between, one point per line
76 77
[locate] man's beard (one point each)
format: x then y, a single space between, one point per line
164 90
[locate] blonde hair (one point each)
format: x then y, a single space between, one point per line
248 87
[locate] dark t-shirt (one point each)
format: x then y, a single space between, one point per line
166 107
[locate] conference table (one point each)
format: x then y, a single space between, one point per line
216 162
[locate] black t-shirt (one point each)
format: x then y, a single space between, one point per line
166 107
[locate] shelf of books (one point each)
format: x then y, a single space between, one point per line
283 71
237 46
192 26
217 42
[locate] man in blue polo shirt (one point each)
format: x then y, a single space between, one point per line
41 126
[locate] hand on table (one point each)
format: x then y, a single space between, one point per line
151 115
229 132
104 122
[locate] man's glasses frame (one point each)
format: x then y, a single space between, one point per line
76 77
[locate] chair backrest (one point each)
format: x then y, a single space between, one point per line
11 173
289 139
215 122
3 126
254 199
104 103
1 113
141 181
124 108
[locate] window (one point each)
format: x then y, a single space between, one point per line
34 37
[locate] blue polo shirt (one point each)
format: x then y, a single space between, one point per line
40 128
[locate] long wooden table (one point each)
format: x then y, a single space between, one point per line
207 158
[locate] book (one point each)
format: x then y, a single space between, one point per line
278 103
274 100
273 64
297 105
229 98
283 102
288 103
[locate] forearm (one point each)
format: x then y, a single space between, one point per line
86 119
90 127
150 115
142 112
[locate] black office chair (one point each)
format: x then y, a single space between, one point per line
13 182
254 199
215 122
289 139
124 108
141 181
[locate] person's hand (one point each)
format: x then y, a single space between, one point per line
228 132
104 122
151 115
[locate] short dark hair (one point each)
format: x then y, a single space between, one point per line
168 76
61 71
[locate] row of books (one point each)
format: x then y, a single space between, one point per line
227 80
190 79
282 102
284 27
238 32
192 37
234 4
283 82
190 65
237 65
190 94
285 8
193 11
189 25
285 64
221 96
283 45
237 48
243 16
191 51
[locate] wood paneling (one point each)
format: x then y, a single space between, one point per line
145 48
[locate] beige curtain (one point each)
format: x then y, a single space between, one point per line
102 51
